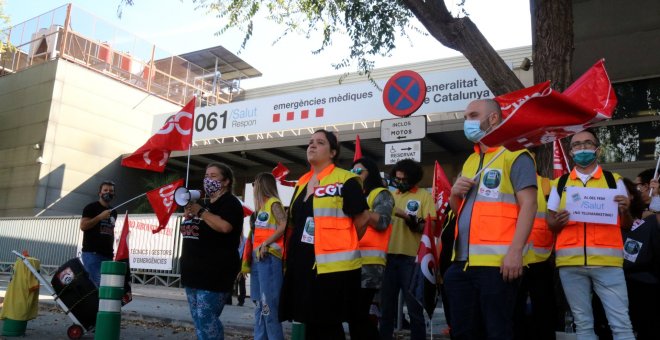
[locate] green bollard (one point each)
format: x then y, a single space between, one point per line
108 318
298 331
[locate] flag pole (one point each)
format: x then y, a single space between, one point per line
489 163
131 200
563 153
655 174
188 164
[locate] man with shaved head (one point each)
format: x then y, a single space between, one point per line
496 205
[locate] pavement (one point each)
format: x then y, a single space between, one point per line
162 312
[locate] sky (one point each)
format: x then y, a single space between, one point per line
176 26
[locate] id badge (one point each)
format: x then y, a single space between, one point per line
308 231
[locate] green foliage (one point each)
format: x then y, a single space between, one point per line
372 26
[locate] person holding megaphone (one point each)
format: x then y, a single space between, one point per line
211 233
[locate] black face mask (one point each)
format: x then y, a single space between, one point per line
107 197
403 186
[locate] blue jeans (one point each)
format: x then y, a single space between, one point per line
479 299
265 286
610 285
92 263
398 272
205 308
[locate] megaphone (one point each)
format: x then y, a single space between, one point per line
182 196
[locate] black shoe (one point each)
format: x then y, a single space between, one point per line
240 304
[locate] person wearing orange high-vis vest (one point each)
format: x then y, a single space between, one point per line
538 277
495 213
373 245
327 215
591 254
262 257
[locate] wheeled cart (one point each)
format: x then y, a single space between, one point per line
74 292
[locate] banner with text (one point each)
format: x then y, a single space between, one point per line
447 91
146 250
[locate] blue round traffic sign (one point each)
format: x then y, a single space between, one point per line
404 93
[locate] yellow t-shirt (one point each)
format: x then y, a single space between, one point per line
417 202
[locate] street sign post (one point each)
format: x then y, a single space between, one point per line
395 152
402 129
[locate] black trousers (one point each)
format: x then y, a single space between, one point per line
538 284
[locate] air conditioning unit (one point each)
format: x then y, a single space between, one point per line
44 42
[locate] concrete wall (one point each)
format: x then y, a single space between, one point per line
84 121
625 33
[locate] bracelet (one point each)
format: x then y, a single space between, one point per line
201 212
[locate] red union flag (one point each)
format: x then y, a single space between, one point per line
162 202
358 149
441 191
280 172
559 162
176 134
122 249
538 114
423 283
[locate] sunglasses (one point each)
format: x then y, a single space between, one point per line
358 171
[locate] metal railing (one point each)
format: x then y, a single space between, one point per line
54 240
72 34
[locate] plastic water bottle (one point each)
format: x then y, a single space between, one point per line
568 323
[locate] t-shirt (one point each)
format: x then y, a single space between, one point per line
523 175
101 237
209 259
418 202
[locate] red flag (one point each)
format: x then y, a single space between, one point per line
538 114
247 211
176 134
280 171
423 284
122 249
358 149
162 201
559 162
441 191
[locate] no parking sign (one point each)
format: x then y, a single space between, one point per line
404 93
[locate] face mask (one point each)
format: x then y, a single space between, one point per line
403 186
107 197
211 186
584 157
473 131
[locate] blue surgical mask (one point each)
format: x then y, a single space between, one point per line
584 158
473 131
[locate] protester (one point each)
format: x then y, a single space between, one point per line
495 207
98 226
537 282
328 212
641 266
209 259
412 206
647 187
373 245
262 256
590 254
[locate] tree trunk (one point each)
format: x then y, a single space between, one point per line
552 55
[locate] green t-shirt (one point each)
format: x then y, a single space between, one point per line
420 203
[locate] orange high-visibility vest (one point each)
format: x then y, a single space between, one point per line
589 244
541 239
265 226
335 238
374 243
495 210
